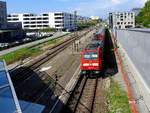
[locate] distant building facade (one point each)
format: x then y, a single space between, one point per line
9 36
57 20
14 25
136 11
3 15
122 20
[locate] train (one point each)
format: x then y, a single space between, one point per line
92 56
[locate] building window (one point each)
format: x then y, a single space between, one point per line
33 26
59 17
45 26
39 25
9 19
39 22
58 14
14 15
32 22
26 26
118 23
58 25
26 15
45 22
26 19
39 18
33 19
45 18
9 16
26 22
58 22
45 14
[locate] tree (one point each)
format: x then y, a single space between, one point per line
144 16
82 25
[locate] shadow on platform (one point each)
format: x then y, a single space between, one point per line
36 89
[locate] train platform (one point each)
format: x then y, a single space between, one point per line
9 102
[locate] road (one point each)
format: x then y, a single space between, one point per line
58 34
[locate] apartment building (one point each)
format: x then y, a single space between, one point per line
122 20
57 20
3 15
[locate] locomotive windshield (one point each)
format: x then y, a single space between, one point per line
90 55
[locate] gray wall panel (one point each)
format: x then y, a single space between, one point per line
137 46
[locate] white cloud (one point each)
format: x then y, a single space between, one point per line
97 7
116 1
142 2
103 7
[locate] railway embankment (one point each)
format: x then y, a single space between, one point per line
116 93
103 94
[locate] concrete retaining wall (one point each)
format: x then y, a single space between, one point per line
137 46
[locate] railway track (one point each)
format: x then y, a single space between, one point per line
88 97
23 73
43 86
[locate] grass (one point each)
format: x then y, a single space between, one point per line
20 54
117 99
27 51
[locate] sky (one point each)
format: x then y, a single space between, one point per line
88 8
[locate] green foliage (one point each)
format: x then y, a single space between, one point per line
20 54
83 25
117 99
144 16
26 52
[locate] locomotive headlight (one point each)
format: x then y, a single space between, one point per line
94 56
86 64
95 64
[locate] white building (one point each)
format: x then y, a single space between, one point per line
58 20
3 15
122 20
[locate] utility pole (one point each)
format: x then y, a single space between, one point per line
75 32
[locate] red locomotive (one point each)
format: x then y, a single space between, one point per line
100 35
92 55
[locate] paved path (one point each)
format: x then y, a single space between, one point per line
31 43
